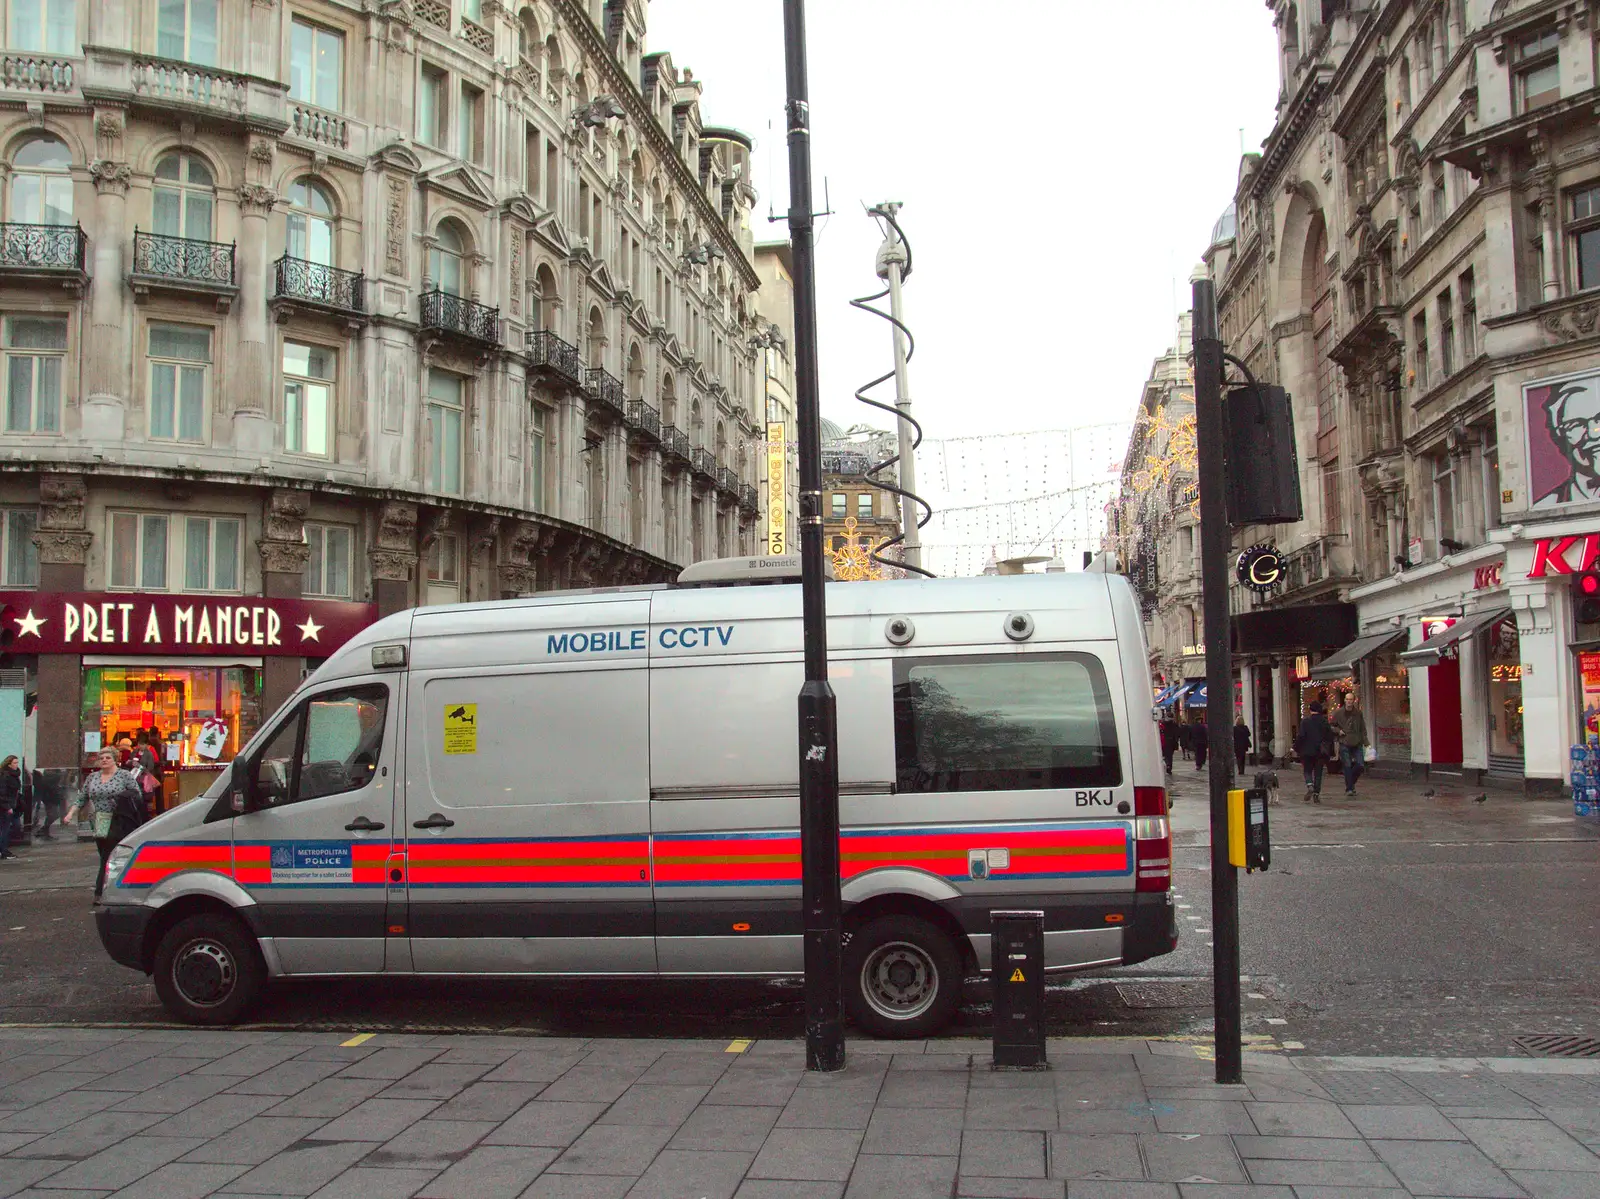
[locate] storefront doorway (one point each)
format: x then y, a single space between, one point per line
1505 699
1391 708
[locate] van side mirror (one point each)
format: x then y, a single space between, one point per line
238 786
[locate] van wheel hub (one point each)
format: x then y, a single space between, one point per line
899 980
204 973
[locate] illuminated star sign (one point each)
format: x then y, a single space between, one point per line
28 626
309 630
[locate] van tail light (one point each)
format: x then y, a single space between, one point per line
1152 840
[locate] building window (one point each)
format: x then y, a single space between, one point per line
316 56
187 30
184 198
309 224
1332 498
446 410
1538 69
138 551
1419 349
41 188
21 565
35 349
444 259
444 570
1438 202
1583 234
1465 287
1491 481
469 137
1447 335
864 505
211 553
180 361
839 501
431 115
536 458
328 565
45 25
1444 501
309 374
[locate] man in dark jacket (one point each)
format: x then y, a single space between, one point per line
1241 743
1168 729
1200 741
1314 744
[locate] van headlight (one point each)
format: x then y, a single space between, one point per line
120 857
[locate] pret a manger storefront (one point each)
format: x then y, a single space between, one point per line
193 670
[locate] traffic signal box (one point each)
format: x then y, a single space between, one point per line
1249 844
1016 968
1586 596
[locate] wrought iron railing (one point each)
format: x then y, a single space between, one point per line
727 481
644 418
43 247
704 464
674 443
550 352
298 279
183 258
447 313
606 389
749 498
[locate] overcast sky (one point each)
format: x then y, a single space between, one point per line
1061 163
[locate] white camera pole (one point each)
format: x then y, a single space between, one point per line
892 261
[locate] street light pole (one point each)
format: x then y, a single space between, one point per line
1214 542
819 759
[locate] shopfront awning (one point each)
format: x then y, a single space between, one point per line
1342 662
1169 695
1431 650
1197 696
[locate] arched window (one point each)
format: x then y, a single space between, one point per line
597 338
310 225
41 188
552 54
549 302
697 424
669 401
185 198
636 373
527 35
445 266
722 444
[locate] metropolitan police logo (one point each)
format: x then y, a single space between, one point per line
283 856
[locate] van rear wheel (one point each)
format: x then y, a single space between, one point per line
902 977
207 969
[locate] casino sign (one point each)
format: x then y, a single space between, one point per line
1260 568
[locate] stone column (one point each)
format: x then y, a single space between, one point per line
1247 688
284 554
393 557
1549 706
107 383
251 401
571 503
1550 238
63 542
1282 710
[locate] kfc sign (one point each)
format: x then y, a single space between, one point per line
97 622
1486 576
1561 423
1564 555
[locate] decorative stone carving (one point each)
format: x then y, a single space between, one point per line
435 522
395 228
391 565
484 541
108 124
394 554
287 510
1572 323
61 500
516 275
257 200
283 557
110 176
62 547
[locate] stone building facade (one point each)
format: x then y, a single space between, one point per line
373 304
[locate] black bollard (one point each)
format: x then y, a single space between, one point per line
1016 968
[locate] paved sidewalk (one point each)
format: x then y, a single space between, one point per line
148 1114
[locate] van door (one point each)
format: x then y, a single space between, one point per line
313 843
527 812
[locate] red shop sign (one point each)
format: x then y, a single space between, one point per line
1551 555
43 622
1486 576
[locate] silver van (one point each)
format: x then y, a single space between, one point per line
605 783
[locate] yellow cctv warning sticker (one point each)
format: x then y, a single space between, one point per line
461 728
1016 975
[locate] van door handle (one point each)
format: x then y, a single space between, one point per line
362 825
437 820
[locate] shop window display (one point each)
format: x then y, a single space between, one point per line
1391 718
1505 690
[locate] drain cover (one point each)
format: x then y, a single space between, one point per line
1556 1045
1154 995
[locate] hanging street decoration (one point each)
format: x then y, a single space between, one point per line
852 561
1260 568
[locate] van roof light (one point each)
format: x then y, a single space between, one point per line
783 568
388 657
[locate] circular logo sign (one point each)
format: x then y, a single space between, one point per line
1260 568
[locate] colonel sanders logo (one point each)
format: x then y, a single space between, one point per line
1564 455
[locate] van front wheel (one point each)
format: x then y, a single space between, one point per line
902 977
207 969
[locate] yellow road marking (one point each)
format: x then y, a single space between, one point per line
737 1046
361 1038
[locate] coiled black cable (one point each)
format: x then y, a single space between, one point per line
865 303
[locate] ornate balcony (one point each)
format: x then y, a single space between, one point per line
38 73
727 482
183 264
457 316
674 446
297 281
547 353
644 420
605 390
704 464
56 253
749 499
320 126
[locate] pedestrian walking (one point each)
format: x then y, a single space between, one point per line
10 801
1202 746
118 807
46 804
1314 744
1241 742
1168 729
1350 726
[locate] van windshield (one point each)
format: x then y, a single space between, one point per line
1004 724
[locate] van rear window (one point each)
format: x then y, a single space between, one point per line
1004 724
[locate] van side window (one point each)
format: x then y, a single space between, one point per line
1004 724
330 745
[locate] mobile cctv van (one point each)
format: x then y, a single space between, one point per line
606 783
